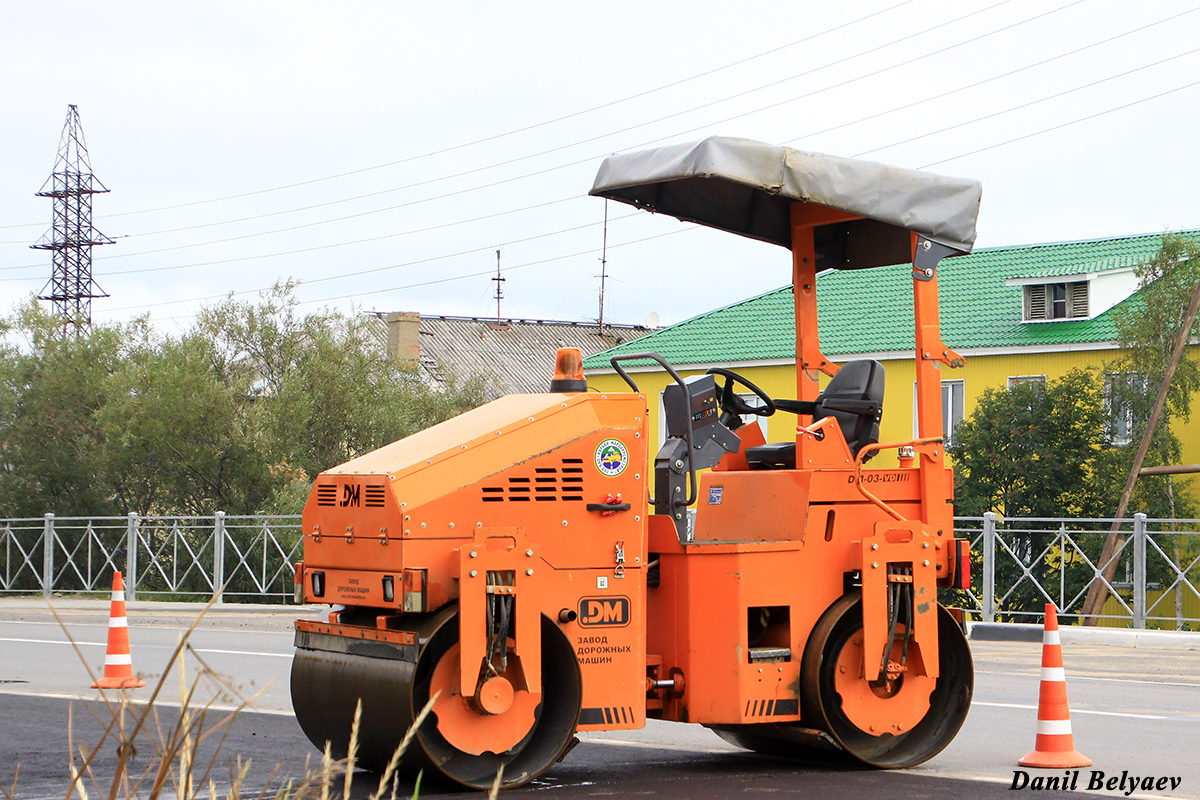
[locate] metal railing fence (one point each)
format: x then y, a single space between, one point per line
1018 565
160 557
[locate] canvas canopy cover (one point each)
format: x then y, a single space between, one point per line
747 187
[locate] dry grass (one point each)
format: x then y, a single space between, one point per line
178 769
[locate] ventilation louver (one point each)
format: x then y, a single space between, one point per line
542 485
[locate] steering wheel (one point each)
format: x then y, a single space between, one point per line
734 406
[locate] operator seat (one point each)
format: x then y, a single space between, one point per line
854 397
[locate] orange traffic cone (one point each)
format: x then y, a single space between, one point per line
1055 747
118 664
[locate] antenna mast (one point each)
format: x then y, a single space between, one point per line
603 264
499 287
71 235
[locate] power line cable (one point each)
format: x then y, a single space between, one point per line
977 84
421 284
877 72
592 158
498 136
976 151
309 249
926 166
1020 106
600 137
1061 125
570 229
627 129
587 225
669 233
559 148
359 273
357 241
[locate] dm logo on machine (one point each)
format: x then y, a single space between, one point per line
611 457
606 612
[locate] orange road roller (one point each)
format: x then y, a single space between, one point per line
536 567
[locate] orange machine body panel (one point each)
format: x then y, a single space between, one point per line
521 469
761 543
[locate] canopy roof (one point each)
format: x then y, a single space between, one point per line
747 187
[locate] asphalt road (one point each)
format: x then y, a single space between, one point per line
1135 711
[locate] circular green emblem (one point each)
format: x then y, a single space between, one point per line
611 457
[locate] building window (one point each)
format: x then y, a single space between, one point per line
1121 389
1021 380
754 401
953 399
662 421
1049 301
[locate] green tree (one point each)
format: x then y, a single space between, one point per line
51 388
178 438
1152 383
238 414
1037 451
1149 327
322 388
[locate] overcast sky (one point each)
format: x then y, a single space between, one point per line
381 152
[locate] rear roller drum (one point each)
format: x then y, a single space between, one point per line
890 723
467 741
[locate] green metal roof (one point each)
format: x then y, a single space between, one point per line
1074 258
869 311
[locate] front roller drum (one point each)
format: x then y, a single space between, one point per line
460 739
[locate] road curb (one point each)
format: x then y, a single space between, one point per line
1074 634
102 605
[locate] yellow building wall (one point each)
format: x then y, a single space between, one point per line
979 373
1160 610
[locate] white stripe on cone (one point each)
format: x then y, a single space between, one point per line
1050 637
1054 727
117 660
1056 674
118 622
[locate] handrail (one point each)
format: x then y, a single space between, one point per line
917 444
693 491
200 555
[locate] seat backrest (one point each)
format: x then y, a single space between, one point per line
854 397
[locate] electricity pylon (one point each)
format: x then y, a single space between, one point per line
71 236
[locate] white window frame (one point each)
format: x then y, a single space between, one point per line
1017 380
754 401
952 416
662 420
1120 429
